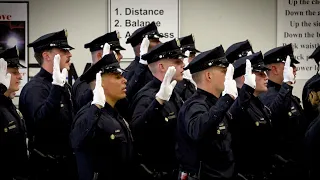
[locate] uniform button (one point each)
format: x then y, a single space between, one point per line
289 113
112 136
257 123
166 119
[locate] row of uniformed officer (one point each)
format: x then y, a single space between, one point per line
211 141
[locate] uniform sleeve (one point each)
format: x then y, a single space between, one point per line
136 82
84 125
242 102
43 104
278 102
146 111
199 121
81 95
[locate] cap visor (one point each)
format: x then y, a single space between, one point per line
22 66
294 61
66 47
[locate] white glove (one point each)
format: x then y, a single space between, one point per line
4 77
230 86
106 49
144 49
249 53
59 78
98 93
167 86
249 78
288 75
186 73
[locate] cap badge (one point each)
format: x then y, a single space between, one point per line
65 32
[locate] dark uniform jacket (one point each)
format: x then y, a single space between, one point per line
13 148
310 111
103 144
252 136
288 119
185 89
153 127
142 77
204 140
81 94
312 149
47 110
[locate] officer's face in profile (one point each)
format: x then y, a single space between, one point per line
294 70
261 82
178 64
65 57
277 70
15 79
217 77
114 85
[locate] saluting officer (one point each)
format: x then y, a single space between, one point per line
288 117
203 137
310 96
81 91
155 109
187 86
45 102
13 151
144 75
101 138
250 120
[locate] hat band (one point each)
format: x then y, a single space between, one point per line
168 54
217 61
56 43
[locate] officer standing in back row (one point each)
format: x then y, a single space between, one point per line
81 91
13 147
46 105
144 75
187 86
288 118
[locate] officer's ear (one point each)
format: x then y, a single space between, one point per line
208 75
46 56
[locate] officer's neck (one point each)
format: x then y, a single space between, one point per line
210 90
9 94
276 79
48 67
111 101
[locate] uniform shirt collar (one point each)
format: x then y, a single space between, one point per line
45 74
212 98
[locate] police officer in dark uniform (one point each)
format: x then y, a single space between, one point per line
150 31
46 105
187 86
81 91
238 50
250 120
155 109
108 154
13 151
312 147
203 137
288 117
310 98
